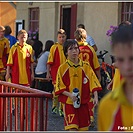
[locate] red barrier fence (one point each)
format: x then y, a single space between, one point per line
22 108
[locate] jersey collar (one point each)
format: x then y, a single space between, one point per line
82 43
17 44
58 43
2 38
119 94
71 64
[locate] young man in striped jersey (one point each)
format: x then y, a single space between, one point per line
75 73
55 59
20 61
4 51
115 112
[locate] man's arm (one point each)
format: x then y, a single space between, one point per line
48 76
95 47
70 95
98 74
95 102
92 43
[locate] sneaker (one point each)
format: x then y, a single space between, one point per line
92 124
61 113
13 111
54 110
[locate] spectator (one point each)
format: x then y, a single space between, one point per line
41 68
37 47
12 39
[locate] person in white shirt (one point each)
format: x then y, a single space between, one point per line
41 68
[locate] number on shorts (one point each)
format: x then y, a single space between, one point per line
70 118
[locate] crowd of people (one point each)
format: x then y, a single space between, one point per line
72 63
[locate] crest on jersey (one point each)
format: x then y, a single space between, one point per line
27 54
85 80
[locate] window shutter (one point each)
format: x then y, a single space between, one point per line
73 20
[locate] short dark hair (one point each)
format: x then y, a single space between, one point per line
69 43
48 45
81 26
37 47
8 30
123 35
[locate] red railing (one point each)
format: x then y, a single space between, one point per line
22 108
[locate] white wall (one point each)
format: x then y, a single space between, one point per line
22 12
98 16
46 18
47 22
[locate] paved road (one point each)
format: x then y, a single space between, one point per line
56 123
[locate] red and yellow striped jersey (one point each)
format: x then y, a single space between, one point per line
20 59
115 113
116 80
88 54
4 51
79 76
55 59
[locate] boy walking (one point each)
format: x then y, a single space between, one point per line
89 39
75 73
20 61
115 112
88 54
55 59
4 51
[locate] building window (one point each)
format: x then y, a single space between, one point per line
34 21
127 11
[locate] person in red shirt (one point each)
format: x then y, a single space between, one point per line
87 53
115 111
4 51
55 59
75 73
20 61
